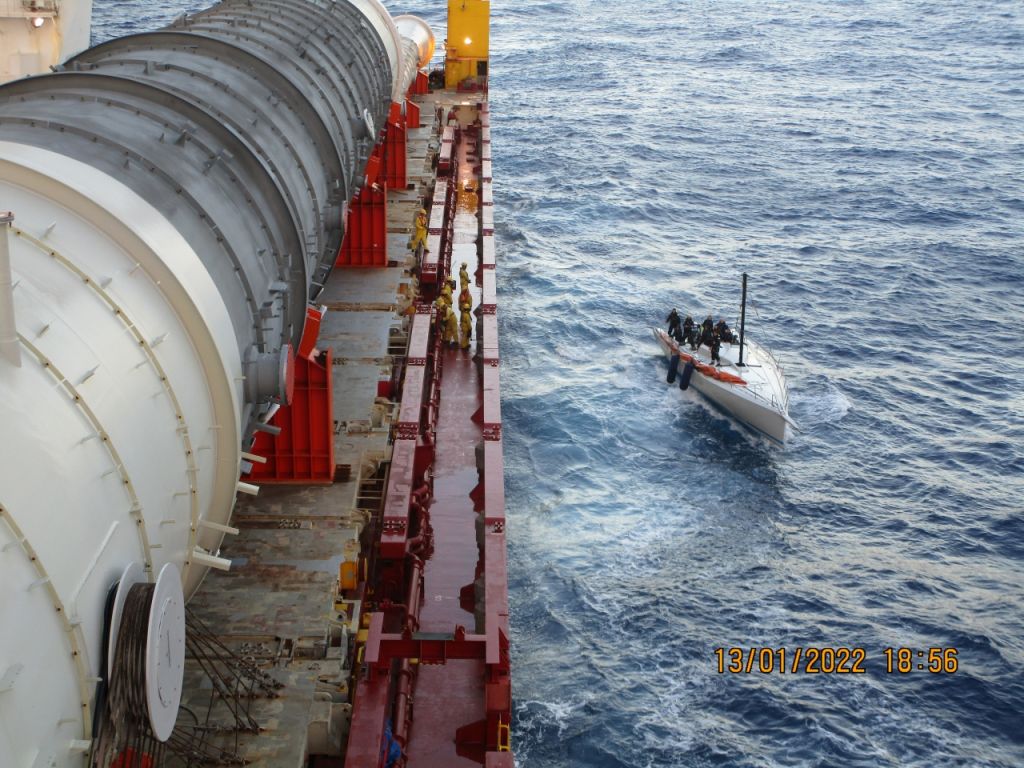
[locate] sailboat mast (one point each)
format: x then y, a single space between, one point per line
743 317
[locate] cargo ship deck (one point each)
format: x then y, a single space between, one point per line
371 609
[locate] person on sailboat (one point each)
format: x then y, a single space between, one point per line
707 330
724 332
688 333
715 346
674 327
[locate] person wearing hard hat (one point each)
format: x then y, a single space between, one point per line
466 327
465 300
451 328
464 276
441 308
446 292
419 235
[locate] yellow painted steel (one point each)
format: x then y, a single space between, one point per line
469 40
348 575
504 737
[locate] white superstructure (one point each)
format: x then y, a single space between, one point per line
38 34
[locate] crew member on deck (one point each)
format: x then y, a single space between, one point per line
419 236
451 328
465 300
707 330
464 276
716 346
674 327
466 328
688 333
723 331
446 291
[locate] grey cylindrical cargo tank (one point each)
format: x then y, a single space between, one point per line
176 199
248 125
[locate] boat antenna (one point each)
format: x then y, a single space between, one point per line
743 318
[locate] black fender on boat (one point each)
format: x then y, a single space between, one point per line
684 379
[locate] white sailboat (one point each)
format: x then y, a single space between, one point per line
748 383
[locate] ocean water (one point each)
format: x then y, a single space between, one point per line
864 162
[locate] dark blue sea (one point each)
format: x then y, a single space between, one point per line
864 163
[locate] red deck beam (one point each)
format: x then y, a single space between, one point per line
428 647
371 706
494 485
395 523
410 411
431 262
436 223
444 160
419 336
492 404
487 255
489 339
489 293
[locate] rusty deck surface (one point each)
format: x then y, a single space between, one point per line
456 690
278 606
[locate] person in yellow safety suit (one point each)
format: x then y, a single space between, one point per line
464 277
451 328
446 293
419 235
466 327
440 306
465 300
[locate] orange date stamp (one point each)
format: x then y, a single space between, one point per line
827 660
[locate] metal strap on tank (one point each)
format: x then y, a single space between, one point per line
149 352
169 181
72 629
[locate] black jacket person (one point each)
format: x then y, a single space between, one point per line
674 329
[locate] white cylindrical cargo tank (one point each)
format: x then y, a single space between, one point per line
175 200
121 429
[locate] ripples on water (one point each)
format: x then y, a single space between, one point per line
864 162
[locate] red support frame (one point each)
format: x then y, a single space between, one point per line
366 234
420 84
395 148
311 331
303 452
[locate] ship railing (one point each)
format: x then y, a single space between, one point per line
771 399
29 9
781 402
782 379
